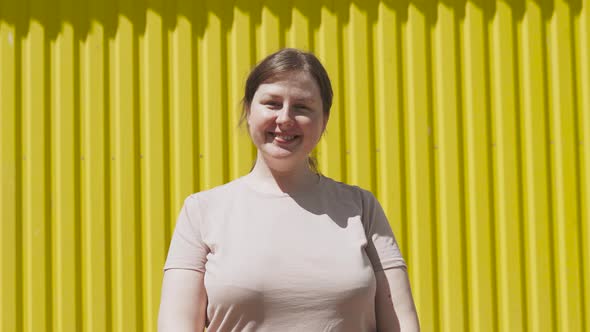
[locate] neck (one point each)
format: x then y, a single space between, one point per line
295 179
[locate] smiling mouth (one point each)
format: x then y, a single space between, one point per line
283 138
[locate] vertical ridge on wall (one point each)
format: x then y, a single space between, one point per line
421 215
477 177
11 308
329 40
36 151
358 113
507 171
269 32
537 172
389 125
468 119
127 282
153 156
241 37
582 32
299 31
446 127
65 195
212 65
184 91
564 157
95 174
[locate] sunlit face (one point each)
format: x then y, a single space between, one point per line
286 119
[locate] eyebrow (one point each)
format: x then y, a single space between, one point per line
298 100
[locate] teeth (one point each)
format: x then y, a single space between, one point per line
285 138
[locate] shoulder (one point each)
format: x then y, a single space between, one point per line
349 195
215 196
353 197
341 189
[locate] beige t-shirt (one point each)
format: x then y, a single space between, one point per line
286 262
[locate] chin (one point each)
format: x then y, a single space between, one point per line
270 150
282 162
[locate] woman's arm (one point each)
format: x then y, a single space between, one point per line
394 305
184 301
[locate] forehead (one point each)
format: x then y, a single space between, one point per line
300 84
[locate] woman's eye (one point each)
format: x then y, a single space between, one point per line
273 104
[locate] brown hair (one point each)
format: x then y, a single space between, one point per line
281 62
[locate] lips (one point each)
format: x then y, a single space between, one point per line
283 138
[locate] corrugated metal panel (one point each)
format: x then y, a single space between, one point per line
470 120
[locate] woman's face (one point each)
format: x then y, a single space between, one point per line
286 119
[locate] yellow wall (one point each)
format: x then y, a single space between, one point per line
470 120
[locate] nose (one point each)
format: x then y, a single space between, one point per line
284 116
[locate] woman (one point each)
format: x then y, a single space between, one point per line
285 248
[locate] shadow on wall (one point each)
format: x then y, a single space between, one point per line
53 14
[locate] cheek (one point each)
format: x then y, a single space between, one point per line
314 125
258 121
266 118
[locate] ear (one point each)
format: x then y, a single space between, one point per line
325 119
247 118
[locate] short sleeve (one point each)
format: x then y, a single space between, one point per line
187 249
382 248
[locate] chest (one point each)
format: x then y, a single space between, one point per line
277 258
